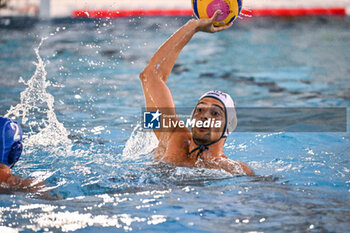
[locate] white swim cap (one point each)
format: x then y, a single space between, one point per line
230 110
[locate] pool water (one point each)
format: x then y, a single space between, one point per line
80 105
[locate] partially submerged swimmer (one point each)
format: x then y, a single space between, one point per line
10 151
203 146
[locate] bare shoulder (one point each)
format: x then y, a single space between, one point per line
248 170
235 167
174 150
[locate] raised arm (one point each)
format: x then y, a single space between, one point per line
156 73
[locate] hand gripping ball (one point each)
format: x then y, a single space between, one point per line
206 9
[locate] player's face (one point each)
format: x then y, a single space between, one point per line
213 110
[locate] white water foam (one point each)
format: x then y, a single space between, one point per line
139 143
36 111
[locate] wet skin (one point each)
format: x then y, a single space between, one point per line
176 149
175 144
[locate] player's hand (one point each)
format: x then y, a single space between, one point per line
207 25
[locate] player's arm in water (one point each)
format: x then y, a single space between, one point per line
156 73
16 183
231 167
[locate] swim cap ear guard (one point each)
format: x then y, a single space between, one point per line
230 116
15 153
10 141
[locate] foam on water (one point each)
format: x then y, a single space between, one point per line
139 143
36 110
110 183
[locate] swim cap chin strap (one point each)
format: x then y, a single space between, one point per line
230 118
202 148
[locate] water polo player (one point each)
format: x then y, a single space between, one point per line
203 146
10 151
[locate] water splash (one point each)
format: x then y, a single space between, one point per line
139 143
36 110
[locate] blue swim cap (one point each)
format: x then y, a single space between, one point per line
10 141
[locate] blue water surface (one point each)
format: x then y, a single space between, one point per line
103 169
